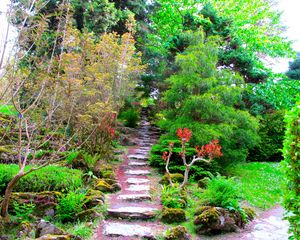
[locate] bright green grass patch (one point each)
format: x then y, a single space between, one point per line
259 183
8 110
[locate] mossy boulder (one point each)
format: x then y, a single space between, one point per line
210 220
250 213
26 229
59 237
107 185
87 215
103 170
173 215
103 186
177 233
43 201
94 198
175 177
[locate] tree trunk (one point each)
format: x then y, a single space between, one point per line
8 192
186 176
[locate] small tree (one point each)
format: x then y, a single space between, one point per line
206 153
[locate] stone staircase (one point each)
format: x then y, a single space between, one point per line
132 211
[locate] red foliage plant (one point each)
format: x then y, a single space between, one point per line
207 153
184 134
211 150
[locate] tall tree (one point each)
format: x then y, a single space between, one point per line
294 69
205 100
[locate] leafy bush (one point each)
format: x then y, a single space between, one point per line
69 205
23 211
131 117
49 178
173 197
271 133
221 192
291 152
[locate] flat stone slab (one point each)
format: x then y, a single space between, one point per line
133 212
137 172
127 230
137 180
137 163
138 187
138 156
134 197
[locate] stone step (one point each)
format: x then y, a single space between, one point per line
113 229
138 187
137 180
135 197
138 172
141 163
133 212
138 156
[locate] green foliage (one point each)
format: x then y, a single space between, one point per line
173 197
221 192
294 69
131 117
8 110
277 93
291 164
49 178
271 132
205 101
69 205
259 183
23 211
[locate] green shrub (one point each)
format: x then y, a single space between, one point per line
49 178
291 152
131 117
69 205
173 197
221 192
271 132
23 211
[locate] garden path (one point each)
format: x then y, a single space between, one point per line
131 211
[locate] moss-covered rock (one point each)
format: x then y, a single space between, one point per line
26 229
94 198
89 215
59 237
43 201
216 220
173 215
250 213
175 177
103 186
177 233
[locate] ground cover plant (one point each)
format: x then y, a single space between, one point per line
260 183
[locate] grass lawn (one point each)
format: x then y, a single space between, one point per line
260 183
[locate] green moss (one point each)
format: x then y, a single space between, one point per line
175 177
201 209
207 217
103 186
173 215
250 213
176 233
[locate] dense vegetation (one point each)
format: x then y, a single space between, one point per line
80 73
